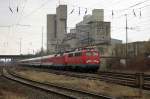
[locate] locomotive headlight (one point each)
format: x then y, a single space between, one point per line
96 61
88 61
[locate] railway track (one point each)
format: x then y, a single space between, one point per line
64 91
136 80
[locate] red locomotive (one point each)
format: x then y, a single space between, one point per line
80 60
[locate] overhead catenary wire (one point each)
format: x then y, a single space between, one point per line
86 8
22 11
139 13
10 8
133 11
139 8
18 5
73 10
38 8
114 12
139 3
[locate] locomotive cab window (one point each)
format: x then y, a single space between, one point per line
88 54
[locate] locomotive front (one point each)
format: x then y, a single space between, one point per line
91 59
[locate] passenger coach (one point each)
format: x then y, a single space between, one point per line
85 60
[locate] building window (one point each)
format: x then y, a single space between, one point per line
101 50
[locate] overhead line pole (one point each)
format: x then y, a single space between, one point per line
20 46
126 37
42 38
41 53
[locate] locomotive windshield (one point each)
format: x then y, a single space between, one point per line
88 54
91 53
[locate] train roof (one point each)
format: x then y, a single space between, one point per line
37 58
80 50
67 52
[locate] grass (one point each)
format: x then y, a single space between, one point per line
84 84
11 95
13 90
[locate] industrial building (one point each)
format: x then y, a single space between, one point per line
92 30
56 28
133 49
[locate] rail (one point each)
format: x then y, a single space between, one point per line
136 80
68 92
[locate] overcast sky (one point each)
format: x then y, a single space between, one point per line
26 24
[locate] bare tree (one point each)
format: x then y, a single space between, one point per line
147 47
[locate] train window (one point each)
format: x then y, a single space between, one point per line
88 54
95 54
78 54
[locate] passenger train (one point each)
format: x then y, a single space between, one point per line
85 60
